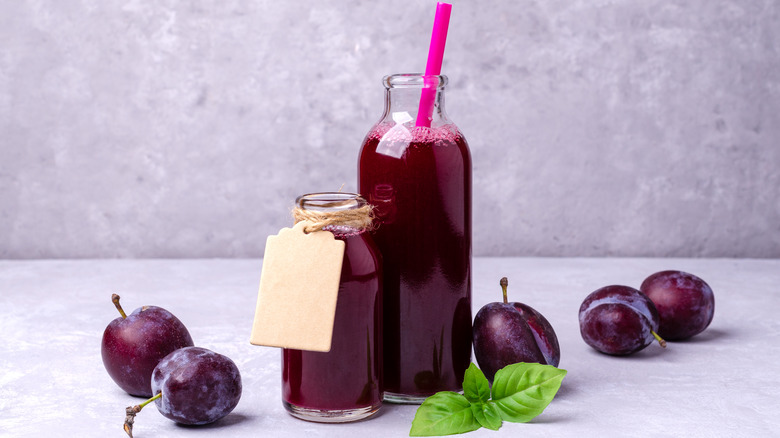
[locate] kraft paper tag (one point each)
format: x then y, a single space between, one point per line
299 285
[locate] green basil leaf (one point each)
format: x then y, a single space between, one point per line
444 413
475 385
487 414
522 391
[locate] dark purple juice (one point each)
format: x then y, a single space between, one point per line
419 180
349 376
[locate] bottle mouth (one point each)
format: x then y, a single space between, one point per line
330 201
414 80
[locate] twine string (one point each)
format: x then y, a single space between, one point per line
359 218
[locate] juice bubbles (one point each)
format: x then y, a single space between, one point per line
419 180
344 384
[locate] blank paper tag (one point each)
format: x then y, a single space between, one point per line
299 285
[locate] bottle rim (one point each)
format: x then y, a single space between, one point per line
330 201
414 80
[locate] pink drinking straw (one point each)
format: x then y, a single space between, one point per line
435 56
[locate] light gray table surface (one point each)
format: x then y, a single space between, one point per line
724 382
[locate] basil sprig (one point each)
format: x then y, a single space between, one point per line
520 392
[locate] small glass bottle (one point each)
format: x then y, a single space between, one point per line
419 180
344 384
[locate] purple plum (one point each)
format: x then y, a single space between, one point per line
618 320
198 386
192 386
134 344
684 301
507 333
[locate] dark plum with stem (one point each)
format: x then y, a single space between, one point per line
134 344
684 301
192 386
507 333
619 320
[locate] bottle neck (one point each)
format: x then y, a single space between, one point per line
403 95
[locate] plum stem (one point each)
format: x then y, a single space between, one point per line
660 339
130 412
115 300
504 283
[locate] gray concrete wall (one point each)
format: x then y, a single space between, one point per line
186 128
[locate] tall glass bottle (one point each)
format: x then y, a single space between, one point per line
419 180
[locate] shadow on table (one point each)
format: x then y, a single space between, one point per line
710 334
230 420
567 388
651 350
550 418
654 350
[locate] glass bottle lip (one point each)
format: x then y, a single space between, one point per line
414 80
330 201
